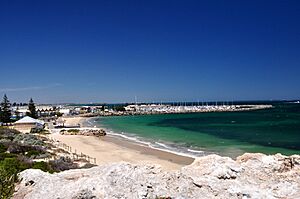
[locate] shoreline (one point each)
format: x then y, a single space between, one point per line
86 123
110 149
169 156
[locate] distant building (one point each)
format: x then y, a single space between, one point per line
22 111
65 111
27 123
45 111
131 107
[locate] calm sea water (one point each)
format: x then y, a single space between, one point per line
269 131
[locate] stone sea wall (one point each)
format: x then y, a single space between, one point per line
85 132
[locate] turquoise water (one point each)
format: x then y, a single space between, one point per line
269 131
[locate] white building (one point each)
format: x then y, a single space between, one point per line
27 123
65 111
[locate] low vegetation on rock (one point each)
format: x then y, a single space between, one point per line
23 151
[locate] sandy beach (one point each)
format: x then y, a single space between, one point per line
73 121
109 149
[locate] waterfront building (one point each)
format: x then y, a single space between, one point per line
27 123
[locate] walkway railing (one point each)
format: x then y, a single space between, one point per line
74 155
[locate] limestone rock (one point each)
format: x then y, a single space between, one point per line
213 176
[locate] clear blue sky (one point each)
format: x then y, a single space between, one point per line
111 51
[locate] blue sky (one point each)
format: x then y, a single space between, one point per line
110 51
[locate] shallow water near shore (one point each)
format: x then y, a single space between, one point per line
269 131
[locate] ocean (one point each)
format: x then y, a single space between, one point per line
269 131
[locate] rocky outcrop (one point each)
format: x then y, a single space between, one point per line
250 176
85 132
213 176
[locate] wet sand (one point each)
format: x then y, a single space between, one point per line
171 157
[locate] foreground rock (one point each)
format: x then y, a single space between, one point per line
250 176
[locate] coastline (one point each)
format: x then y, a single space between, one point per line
125 138
109 149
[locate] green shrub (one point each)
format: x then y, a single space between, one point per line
33 153
13 166
62 164
6 133
9 168
73 130
2 148
10 165
39 131
44 166
7 155
7 183
28 139
45 132
4 140
19 148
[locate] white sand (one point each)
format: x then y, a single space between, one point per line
107 152
73 121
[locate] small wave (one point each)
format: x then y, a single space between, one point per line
123 136
174 151
131 138
195 151
155 145
163 145
88 122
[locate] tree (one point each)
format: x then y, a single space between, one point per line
5 112
31 108
119 108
